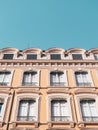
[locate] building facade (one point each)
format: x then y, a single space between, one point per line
53 89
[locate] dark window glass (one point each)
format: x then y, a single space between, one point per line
55 56
31 56
1 104
8 56
77 56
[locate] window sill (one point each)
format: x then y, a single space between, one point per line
78 90
58 90
35 123
72 124
83 123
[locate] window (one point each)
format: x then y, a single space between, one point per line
26 110
82 78
1 106
57 78
55 56
31 56
96 56
88 109
77 56
30 78
5 78
59 110
8 56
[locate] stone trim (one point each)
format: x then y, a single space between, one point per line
51 97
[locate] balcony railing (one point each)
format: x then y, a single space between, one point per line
90 118
60 118
4 83
84 84
57 83
26 118
29 83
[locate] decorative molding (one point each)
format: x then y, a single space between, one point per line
30 90
58 90
84 90
59 128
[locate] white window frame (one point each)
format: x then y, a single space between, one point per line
32 54
80 97
89 76
58 96
30 96
65 77
31 70
8 70
9 52
62 55
3 97
82 53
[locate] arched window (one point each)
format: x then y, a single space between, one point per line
89 110
59 110
27 110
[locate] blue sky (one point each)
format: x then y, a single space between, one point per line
49 23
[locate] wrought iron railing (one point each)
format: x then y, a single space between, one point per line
4 83
26 118
29 83
57 83
90 118
84 84
60 118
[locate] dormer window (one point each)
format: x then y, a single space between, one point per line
8 56
55 56
77 56
31 56
96 56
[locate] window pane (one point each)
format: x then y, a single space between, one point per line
57 78
31 56
59 110
27 110
96 56
77 56
55 56
30 78
5 78
8 56
82 79
89 111
1 104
